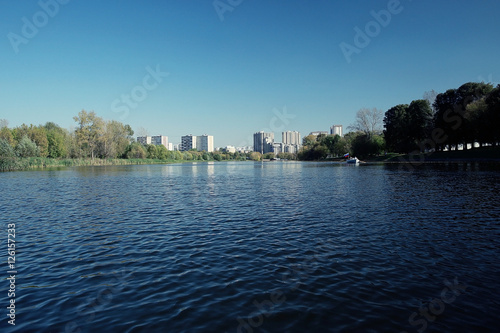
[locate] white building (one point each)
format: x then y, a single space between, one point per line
230 149
201 143
336 130
291 138
145 140
160 140
205 143
263 142
316 133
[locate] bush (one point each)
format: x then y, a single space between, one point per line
26 148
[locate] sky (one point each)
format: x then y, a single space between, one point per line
230 68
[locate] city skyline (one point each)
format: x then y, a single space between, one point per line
184 66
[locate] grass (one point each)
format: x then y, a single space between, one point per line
15 164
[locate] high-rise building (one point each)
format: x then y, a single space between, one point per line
188 142
145 140
263 142
201 142
316 133
336 130
291 138
205 143
160 140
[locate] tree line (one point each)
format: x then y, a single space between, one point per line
458 117
93 137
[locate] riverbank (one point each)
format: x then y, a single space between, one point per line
483 154
32 163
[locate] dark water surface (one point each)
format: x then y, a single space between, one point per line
254 247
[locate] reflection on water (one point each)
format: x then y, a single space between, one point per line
244 246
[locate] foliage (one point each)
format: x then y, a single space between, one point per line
26 148
136 150
6 149
255 156
268 156
364 146
321 146
90 128
368 121
458 121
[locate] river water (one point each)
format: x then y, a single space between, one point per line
254 247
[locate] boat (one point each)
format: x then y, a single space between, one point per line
353 160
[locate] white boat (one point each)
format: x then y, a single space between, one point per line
353 160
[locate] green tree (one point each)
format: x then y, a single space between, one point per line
255 156
57 141
396 123
330 141
56 144
492 116
161 152
26 148
6 149
364 146
268 156
151 152
308 140
420 121
136 150
89 132
6 134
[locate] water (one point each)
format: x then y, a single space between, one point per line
255 247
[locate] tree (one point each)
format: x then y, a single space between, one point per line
255 156
420 121
56 144
151 152
363 145
6 134
89 131
26 148
308 140
396 123
492 116
6 149
161 152
136 150
268 156
330 142
451 109
368 121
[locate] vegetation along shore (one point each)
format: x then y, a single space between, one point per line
459 124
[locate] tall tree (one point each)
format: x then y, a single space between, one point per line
492 116
396 123
368 121
420 122
89 131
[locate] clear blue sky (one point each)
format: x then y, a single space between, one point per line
226 77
